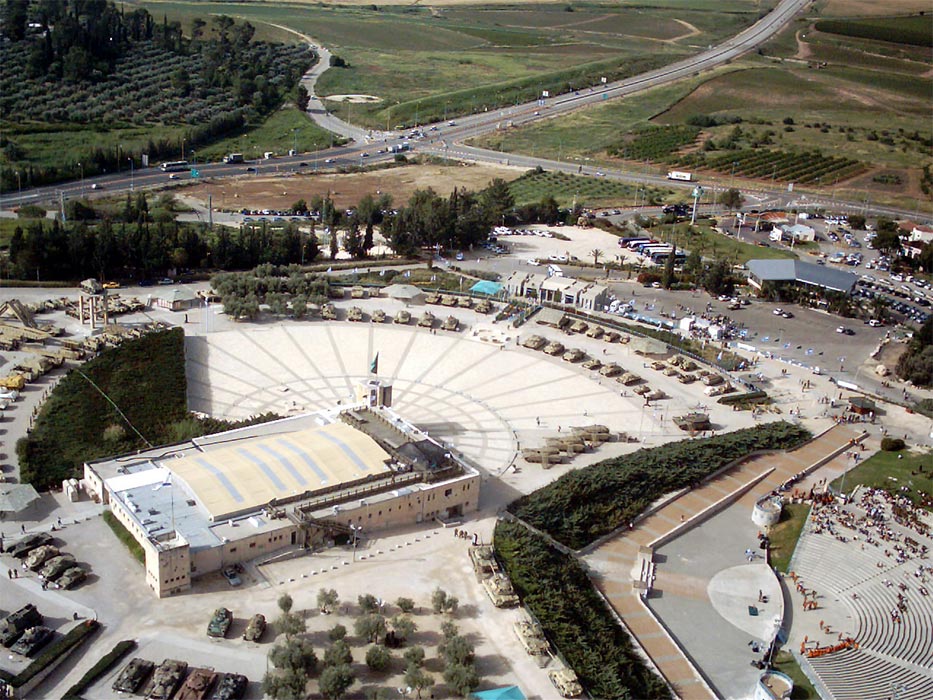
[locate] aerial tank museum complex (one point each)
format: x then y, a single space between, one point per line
202 505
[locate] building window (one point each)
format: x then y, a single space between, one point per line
447 492
232 550
252 545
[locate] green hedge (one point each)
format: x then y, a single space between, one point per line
574 617
106 662
52 652
125 536
145 377
586 504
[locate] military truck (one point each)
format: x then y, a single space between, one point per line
133 675
379 316
255 628
566 682
534 342
166 678
694 422
18 622
231 687
426 320
355 314
713 379
450 324
37 557
592 364
484 306
220 623
72 577
56 566
573 355
483 560
32 640
402 317
553 348
198 685
28 543
595 332
500 591
531 636
328 312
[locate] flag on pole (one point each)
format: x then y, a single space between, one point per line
374 365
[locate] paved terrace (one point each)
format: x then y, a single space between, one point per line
619 560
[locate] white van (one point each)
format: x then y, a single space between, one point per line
554 271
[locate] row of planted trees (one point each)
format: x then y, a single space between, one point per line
296 662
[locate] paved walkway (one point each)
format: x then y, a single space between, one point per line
620 559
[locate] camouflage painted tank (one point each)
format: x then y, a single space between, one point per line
133 675
166 679
197 685
231 687
220 623
500 591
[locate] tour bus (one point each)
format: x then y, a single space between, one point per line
174 165
651 251
661 257
639 247
629 241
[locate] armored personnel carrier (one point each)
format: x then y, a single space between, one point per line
18 622
166 678
29 543
574 355
72 577
133 675
40 555
220 623
531 636
450 324
355 314
379 316
534 342
328 312
231 687
694 422
553 348
403 317
595 332
592 364
56 566
483 560
426 320
500 591
566 682
32 640
255 628
197 686
610 370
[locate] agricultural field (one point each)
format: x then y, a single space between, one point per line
655 143
533 186
480 58
804 167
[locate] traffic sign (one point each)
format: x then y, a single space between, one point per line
195 173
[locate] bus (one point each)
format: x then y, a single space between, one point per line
174 165
629 241
662 257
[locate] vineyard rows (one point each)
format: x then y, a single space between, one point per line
656 143
141 90
804 167
533 186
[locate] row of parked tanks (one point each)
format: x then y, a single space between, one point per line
173 679
222 618
402 317
53 566
483 306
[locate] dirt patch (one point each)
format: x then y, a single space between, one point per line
803 48
353 99
280 192
889 355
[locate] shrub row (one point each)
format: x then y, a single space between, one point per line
586 504
106 662
55 650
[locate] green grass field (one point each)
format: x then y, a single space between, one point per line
785 662
884 470
785 534
709 243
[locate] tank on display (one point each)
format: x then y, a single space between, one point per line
166 678
133 675
500 591
220 623
450 324
566 682
379 316
197 685
56 566
426 320
255 628
355 314
534 342
402 317
29 543
231 687
72 577
18 622
32 640
40 555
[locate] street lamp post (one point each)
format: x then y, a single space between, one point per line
81 165
132 175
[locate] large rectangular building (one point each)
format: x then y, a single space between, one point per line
203 505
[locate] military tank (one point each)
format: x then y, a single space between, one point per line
592 364
484 306
629 378
402 317
553 348
448 300
595 332
611 370
40 555
450 324
500 591
693 422
328 312
255 628
426 320
483 560
574 355
579 327
379 316
197 685
220 623
133 675
531 636
534 342
231 687
18 622
566 682
32 640
166 678
432 298
355 314
464 303
29 543
359 293
612 336
72 577
56 566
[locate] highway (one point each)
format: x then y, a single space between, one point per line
446 139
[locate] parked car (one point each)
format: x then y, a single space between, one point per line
230 573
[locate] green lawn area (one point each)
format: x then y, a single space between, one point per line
892 470
125 537
8 226
785 534
565 188
711 244
785 662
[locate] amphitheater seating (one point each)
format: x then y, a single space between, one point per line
860 674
